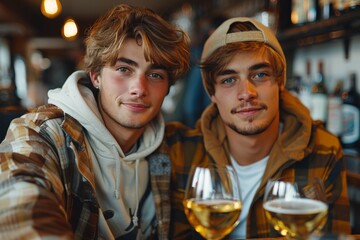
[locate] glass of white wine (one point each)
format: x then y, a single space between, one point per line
212 202
296 209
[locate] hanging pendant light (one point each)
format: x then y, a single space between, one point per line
50 8
70 29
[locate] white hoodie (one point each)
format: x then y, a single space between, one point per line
122 182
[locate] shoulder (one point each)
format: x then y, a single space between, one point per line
178 132
323 137
324 142
47 120
32 122
43 113
185 146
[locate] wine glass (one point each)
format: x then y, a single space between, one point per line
296 209
212 202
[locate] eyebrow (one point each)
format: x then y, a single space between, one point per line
252 68
128 61
135 64
259 66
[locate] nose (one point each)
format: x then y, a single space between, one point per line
246 90
138 86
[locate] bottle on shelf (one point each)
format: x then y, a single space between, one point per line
351 116
269 14
334 119
305 87
325 9
319 98
298 12
311 15
303 11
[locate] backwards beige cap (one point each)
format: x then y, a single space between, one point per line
220 37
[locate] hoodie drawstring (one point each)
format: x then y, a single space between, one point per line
117 185
117 179
135 218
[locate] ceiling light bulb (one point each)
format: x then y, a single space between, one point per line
69 30
50 8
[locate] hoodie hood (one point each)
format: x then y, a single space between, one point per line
215 140
77 100
121 179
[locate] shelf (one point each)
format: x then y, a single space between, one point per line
341 27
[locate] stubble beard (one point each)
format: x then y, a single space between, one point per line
131 125
250 129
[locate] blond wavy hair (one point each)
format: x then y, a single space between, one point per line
163 43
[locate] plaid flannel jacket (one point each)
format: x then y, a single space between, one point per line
304 148
47 186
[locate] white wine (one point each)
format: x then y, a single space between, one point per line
297 217
213 219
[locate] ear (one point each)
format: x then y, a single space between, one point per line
281 87
94 76
213 98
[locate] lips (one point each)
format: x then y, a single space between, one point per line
249 110
136 107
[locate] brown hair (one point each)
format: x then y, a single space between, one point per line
217 61
163 43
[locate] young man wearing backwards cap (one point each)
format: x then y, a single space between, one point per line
258 127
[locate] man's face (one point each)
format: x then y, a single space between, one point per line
247 94
132 91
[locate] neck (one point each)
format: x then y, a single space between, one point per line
253 148
125 137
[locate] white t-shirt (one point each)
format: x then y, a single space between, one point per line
249 177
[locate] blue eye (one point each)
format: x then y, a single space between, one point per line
123 69
261 75
155 75
228 80
158 75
